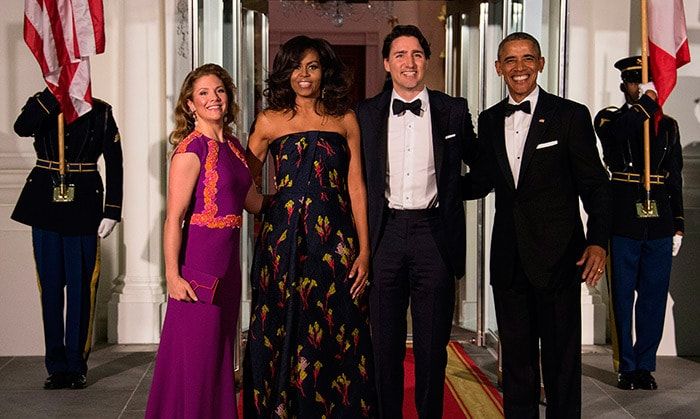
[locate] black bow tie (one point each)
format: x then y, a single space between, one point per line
524 106
399 106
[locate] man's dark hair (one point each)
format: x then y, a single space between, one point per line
405 30
519 36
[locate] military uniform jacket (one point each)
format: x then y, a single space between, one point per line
91 135
621 133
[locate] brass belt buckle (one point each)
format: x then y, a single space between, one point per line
64 193
647 211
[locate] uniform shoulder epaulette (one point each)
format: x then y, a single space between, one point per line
605 115
672 127
670 119
100 102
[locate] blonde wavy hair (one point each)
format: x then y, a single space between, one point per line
184 118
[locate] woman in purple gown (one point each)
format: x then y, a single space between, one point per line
209 186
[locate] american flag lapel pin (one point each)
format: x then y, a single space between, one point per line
541 121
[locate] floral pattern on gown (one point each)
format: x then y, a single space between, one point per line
309 353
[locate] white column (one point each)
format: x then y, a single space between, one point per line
593 316
137 302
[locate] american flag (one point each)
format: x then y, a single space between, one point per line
62 35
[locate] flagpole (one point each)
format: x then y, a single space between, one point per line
61 154
645 79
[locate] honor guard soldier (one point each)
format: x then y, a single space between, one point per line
64 202
642 243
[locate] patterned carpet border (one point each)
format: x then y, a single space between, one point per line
476 395
468 392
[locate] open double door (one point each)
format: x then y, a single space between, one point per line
235 33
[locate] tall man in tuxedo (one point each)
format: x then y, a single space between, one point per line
538 151
414 141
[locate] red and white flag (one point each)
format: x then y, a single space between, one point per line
62 35
668 43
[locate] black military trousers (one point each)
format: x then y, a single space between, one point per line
68 269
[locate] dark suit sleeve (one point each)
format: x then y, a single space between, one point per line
479 182
112 152
603 124
615 129
363 155
674 182
37 111
590 177
467 133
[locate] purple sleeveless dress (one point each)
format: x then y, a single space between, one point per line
193 376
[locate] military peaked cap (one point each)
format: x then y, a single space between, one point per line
631 69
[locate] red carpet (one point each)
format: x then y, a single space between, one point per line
468 393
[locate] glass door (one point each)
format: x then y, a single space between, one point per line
234 34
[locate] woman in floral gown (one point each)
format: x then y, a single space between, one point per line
309 350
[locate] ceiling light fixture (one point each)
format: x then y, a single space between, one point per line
339 12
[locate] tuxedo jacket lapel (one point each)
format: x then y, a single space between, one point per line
538 125
499 145
381 118
439 121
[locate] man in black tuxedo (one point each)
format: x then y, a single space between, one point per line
538 151
414 141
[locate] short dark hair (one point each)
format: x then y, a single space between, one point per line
405 30
335 77
519 36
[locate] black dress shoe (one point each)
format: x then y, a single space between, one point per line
56 381
626 381
77 381
645 380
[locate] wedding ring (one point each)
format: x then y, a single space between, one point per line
600 271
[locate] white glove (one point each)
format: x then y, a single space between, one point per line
645 87
677 239
106 227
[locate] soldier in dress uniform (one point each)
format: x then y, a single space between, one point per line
66 222
641 248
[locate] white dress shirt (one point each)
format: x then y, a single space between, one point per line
410 169
517 126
